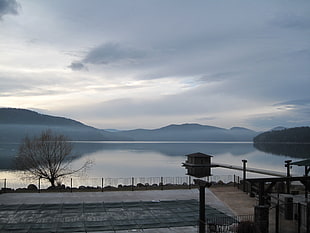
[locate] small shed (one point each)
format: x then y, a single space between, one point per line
198 165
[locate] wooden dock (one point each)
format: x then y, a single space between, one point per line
249 169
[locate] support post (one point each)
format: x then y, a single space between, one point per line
39 185
277 217
306 185
202 209
202 204
261 194
71 183
162 183
132 183
288 174
102 184
261 217
244 174
299 217
308 217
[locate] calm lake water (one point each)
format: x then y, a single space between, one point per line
153 159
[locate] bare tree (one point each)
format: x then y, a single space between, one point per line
47 156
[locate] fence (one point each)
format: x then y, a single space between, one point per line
227 224
107 183
288 213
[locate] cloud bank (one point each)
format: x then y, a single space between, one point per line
148 64
8 7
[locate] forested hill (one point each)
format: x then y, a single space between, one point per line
28 117
291 135
15 124
189 132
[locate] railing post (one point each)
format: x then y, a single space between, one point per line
132 183
39 185
71 184
102 184
4 184
189 182
162 183
244 161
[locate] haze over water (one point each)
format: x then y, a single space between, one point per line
155 159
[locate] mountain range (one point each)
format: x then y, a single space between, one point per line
15 124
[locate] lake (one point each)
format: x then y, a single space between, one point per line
155 159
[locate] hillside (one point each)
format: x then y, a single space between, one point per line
189 132
291 135
15 124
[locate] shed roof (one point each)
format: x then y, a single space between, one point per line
198 155
305 162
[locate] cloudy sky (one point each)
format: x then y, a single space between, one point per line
146 64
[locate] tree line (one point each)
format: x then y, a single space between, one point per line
291 135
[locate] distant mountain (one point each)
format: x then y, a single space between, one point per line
189 132
291 135
15 124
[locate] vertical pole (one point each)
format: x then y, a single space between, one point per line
308 217
244 174
299 217
132 183
234 180
5 184
102 184
39 185
306 186
162 183
189 182
71 183
288 174
202 215
261 198
277 217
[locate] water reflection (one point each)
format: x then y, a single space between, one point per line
127 159
292 150
167 148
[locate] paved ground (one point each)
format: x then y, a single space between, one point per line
170 204
239 202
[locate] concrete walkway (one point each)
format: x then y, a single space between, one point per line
239 202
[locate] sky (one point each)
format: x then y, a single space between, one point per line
147 64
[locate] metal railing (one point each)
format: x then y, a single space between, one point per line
107 183
227 224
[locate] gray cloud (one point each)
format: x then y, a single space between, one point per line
77 66
300 102
153 60
290 113
291 20
112 53
8 7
